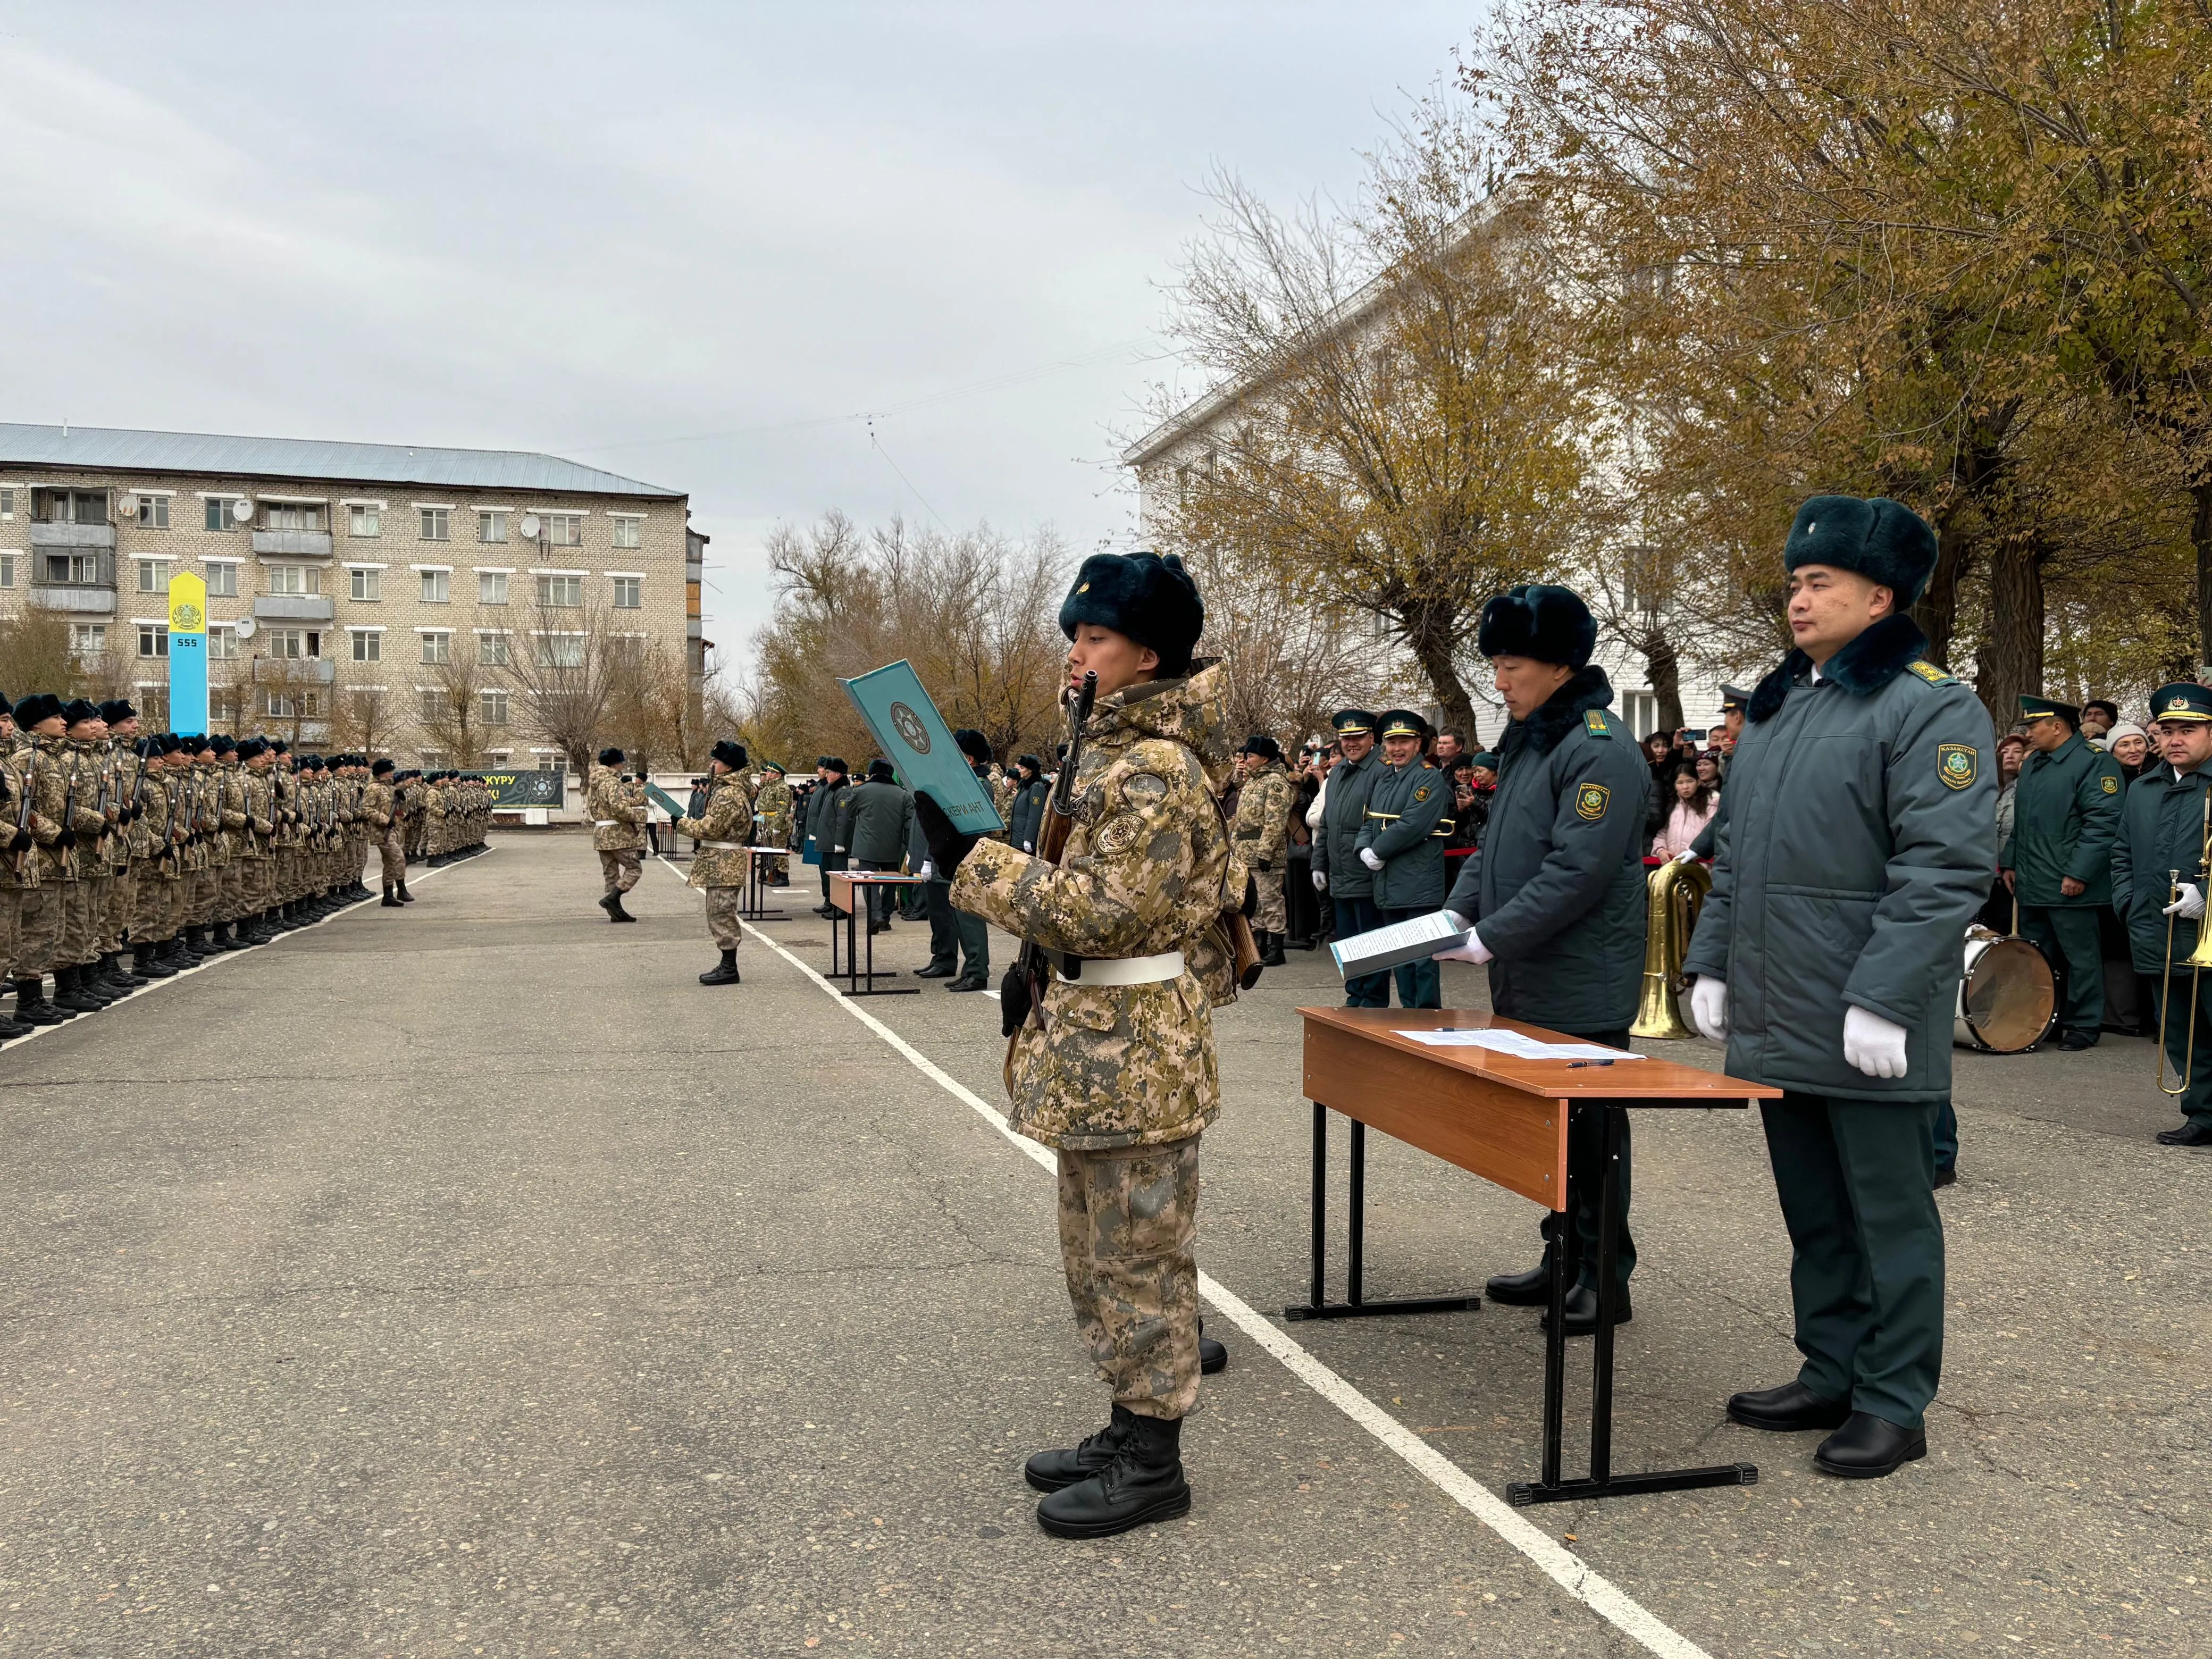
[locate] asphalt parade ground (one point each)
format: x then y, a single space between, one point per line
470 1280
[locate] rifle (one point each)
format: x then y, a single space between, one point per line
69 811
1051 839
23 809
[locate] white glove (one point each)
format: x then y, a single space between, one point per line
1321 881
1367 856
1709 1007
2189 906
927 871
1683 856
1471 950
1874 1045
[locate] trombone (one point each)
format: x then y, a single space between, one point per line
2197 961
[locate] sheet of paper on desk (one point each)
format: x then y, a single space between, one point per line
1518 1044
1392 947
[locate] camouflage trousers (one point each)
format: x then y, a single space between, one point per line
257 885
723 904
621 868
122 899
1273 915
199 908
1127 1220
150 920
393 853
78 909
11 917
39 929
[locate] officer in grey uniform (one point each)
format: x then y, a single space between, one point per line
1555 899
1859 843
1338 875
1408 821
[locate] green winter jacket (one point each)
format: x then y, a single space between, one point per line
2064 815
1344 815
1408 821
2161 830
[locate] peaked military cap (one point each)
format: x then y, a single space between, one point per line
1732 698
1353 721
2034 706
2184 700
775 766
1403 723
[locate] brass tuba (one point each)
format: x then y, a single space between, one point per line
1677 894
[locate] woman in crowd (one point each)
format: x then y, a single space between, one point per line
2130 745
1694 805
1709 769
2012 751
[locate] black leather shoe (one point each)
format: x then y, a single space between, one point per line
1790 1409
1581 1311
966 984
723 973
1056 1471
1532 1289
1212 1357
1143 1483
1947 1175
936 971
1869 1447
2073 1043
2189 1134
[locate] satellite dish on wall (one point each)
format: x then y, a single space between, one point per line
126 506
243 512
529 525
248 627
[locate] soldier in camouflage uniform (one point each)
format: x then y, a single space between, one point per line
617 814
1262 834
19 866
380 806
152 931
718 864
772 810
1114 1067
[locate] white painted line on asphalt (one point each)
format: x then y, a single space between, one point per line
1599 1593
184 974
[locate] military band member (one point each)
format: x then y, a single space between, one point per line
2159 881
1555 900
618 812
2059 864
1115 1066
1409 819
1859 847
718 864
772 813
1263 833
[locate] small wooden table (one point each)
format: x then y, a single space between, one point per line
756 891
848 892
1505 1120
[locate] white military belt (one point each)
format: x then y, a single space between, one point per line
606 823
1132 970
724 846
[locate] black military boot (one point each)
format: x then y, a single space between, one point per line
1212 1357
117 968
1532 1289
69 993
1271 949
31 1007
1056 1471
612 905
85 983
146 963
225 936
1143 1483
405 897
390 902
11 1028
725 973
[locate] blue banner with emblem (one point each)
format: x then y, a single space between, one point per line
188 673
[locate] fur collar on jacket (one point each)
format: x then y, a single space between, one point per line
1862 668
1562 712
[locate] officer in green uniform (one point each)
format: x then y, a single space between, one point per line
1860 835
2159 882
2059 863
1556 896
1402 844
1338 876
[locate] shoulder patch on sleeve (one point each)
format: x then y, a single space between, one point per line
1590 800
2109 784
1595 723
1931 673
1957 763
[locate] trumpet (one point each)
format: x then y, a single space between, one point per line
2197 961
1676 893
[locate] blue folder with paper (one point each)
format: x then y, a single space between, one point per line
913 737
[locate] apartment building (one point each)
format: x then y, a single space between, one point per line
355 591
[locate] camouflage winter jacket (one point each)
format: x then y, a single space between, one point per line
722 831
616 810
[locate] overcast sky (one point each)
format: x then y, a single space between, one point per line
688 244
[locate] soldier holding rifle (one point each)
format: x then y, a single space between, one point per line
1112 1062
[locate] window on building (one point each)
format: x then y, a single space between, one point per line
629 593
222 706
70 506
222 643
153 640
432 701
285 705
491 650
364 518
222 512
284 644
73 569
437 524
7 504
153 576
495 707
367 647
566 593
552 762
223 582
365 585
628 648
560 650
624 532
295 579
564 530
291 515
491 587
7 569
491 527
499 757
88 642
153 512
437 586
437 647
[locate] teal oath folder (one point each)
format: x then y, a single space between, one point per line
914 739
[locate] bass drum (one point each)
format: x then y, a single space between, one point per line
2007 999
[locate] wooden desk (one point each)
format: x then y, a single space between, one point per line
848 891
1505 1120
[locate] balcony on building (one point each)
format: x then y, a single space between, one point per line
294 671
71 576
62 535
293 543
293 607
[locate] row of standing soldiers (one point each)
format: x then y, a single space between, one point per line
132 856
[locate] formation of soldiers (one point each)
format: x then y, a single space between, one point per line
134 855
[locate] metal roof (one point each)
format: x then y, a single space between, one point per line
116 449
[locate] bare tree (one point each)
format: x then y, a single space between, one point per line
450 715
362 720
565 673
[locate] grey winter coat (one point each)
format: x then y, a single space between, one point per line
823 816
1861 840
1556 892
883 816
1409 818
1343 816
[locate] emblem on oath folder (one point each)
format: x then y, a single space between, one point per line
1590 800
1956 764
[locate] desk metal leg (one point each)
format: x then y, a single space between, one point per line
756 892
869 973
1602 1481
1355 1304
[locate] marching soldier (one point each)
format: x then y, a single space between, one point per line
718 865
2159 883
1859 847
617 811
1114 1064
1555 900
773 808
1402 843
2059 864
1262 833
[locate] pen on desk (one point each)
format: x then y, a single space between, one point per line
1573 1063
